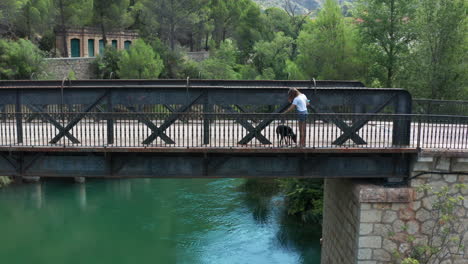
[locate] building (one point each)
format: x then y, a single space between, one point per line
88 42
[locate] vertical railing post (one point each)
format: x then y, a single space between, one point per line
402 122
418 146
110 119
207 108
18 117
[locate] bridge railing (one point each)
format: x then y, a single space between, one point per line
440 107
222 130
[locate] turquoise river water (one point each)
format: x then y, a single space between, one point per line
150 221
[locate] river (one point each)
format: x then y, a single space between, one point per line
150 221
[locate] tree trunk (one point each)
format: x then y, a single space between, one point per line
103 29
64 29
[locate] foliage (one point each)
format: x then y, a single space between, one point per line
109 14
417 45
271 56
33 16
222 64
386 27
140 62
447 230
19 59
4 181
437 68
304 198
410 261
107 64
322 45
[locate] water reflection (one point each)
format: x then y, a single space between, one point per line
150 221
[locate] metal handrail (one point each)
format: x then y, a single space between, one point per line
228 130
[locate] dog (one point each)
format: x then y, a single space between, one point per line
286 133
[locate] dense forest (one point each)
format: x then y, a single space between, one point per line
420 45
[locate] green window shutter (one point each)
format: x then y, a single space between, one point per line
75 48
101 46
91 47
114 44
127 44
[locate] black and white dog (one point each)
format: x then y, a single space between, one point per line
286 133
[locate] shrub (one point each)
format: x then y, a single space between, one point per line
19 59
140 62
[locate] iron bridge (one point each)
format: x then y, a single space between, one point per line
212 128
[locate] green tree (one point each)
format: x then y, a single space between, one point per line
177 19
304 198
386 30
19 60
250 28
271 57
9 11
72 13
225 15
34 18
437 67
278 20
111 14
222 63
140 62
107 64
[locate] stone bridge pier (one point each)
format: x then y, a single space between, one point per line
365 223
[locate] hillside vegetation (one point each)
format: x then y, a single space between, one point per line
419 45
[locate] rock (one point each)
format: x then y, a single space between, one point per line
413 227
442 164
371 216
416 205
370 242
381 255
389 245
364 254
398 226
450 178
389 216
423 215
406 214
365 229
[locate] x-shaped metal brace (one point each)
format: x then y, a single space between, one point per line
255 132
39 111
77 119
246 125
349 132
143 119
159 131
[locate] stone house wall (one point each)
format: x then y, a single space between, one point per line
86 33
59 68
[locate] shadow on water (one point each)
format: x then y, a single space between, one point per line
258 194
264 199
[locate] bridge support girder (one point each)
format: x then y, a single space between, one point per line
204 164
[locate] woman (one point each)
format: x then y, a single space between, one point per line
299 102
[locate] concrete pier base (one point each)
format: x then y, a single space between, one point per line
31 179
80 179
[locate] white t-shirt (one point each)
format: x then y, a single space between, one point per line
300 102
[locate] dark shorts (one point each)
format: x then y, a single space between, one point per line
302 115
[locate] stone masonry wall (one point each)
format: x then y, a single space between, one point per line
341 222
59 68
386 216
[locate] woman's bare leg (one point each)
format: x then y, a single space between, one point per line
302 135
